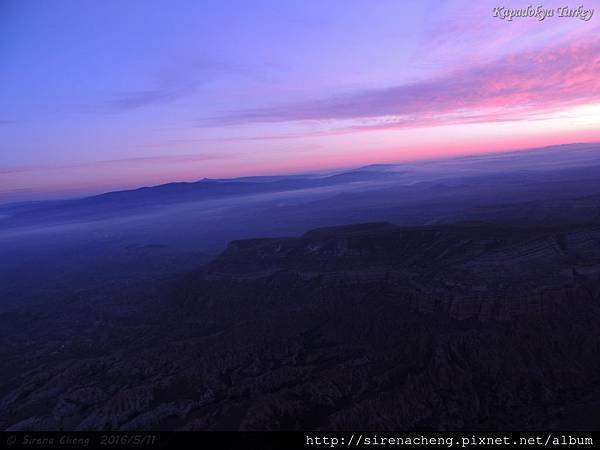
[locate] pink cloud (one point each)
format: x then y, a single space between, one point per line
516 87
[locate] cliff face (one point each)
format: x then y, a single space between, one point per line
370 326
438 247
469 268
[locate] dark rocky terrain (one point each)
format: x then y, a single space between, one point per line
372 326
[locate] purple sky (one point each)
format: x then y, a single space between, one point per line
99 95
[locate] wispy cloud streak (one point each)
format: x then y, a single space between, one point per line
515 87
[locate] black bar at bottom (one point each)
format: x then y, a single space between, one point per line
298 440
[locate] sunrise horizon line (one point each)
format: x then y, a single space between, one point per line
328 171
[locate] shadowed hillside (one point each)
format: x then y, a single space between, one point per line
373 326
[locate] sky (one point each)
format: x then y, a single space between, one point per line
113 94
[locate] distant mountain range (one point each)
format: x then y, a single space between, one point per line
552 172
